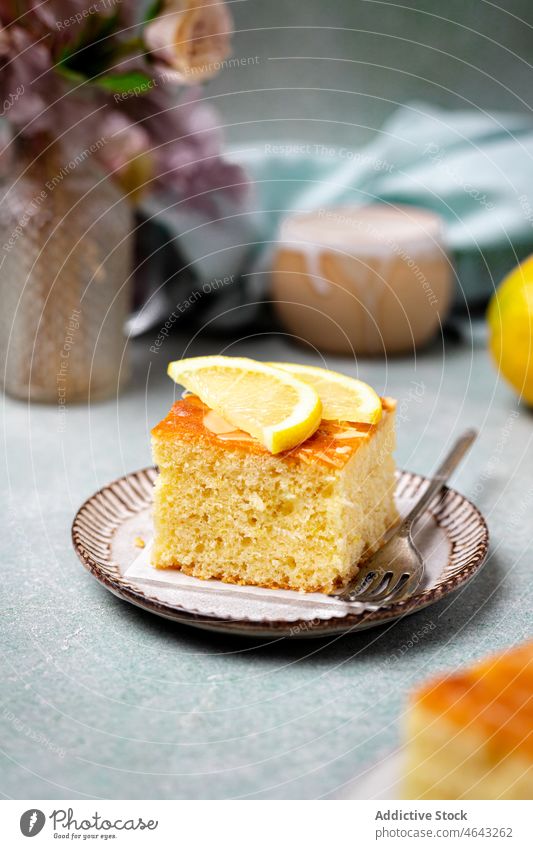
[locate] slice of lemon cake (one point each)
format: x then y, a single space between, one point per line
227 507
470 735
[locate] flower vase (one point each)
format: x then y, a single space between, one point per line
65 272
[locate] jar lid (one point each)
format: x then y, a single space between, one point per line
368 230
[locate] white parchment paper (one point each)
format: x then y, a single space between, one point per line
229 601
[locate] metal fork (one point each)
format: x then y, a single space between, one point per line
395 571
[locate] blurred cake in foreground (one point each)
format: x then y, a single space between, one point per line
228 508
470 734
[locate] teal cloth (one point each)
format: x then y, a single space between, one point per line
475 169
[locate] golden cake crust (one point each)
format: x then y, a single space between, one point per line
333 444
495 696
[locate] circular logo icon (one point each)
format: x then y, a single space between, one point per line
32 822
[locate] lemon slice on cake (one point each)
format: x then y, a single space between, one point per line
270 404
343 398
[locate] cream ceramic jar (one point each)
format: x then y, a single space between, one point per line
366 280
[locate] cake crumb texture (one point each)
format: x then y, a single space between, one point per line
470 734
226 508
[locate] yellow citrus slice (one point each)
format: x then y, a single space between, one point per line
343 398
270 404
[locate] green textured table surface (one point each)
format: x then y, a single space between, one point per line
101 700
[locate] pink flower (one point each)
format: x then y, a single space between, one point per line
151 139
191 38
126 155
27 83
185 146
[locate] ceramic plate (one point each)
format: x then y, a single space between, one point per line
452 537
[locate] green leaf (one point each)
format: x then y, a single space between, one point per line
153 11
124 83
69 74
91 52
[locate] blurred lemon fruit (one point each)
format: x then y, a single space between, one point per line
510 320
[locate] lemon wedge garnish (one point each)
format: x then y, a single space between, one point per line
343 398
270 404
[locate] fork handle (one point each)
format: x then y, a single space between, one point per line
448 465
